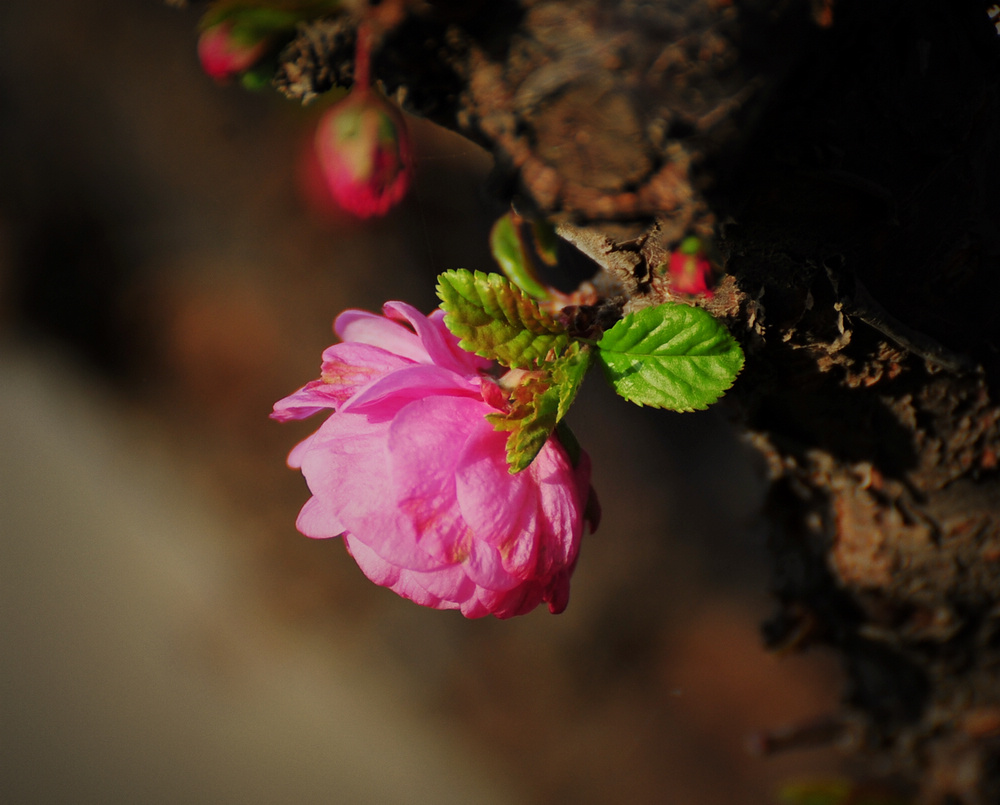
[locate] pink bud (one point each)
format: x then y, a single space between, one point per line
225 54
690 270
365 152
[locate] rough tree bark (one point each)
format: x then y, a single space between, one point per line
844 159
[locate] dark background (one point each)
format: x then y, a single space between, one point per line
169 636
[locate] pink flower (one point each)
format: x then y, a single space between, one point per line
226 53
365 152
415 479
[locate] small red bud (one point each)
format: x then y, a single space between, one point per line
225 54
365 152
690 270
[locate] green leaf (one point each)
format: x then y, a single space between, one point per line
546 242
497 320
530 420
670 356
514 257
538 404
568 372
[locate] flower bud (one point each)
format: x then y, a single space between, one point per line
226 51
690 270
365 153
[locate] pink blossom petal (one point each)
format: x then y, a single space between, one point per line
407 583
316 520
448 583
485 567
561 502
422 453
464 361
400 388
425 434
346 370
341 459
520 552
377 569
352 366
312 398
490 602
426 439
346 466
493 502
474 608
518 601
368 328
442 347
298 452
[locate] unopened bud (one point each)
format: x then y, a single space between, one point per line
365 153
690 270
226 52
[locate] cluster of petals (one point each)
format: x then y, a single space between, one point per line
409 471
225 52
365 153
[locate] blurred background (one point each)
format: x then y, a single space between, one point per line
166 274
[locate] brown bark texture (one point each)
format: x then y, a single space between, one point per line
844 160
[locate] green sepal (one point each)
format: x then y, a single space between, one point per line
691 245
513 255
258 77
497 320
539 402
671 356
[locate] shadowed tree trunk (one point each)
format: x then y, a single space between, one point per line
844 160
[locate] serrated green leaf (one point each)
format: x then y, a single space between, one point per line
497 320
670 356
512 254
568 372
529 422
539 403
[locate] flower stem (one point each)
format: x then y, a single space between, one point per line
362 58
